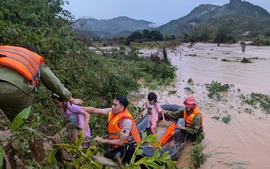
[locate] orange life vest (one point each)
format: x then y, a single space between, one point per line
24 61
114 129
189 118
166 137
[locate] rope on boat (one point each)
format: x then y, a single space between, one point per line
163 85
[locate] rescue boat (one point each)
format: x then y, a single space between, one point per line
171 139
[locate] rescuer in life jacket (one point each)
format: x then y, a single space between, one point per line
122 129
192 121
21 71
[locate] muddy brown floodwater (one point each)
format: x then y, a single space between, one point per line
243 143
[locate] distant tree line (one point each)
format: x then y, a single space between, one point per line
227 30
146 35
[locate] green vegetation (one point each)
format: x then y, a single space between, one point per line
245 60
225 60
95 78
222 24
226 119
145 35
257 100
190 81
172 92
193 55
215 87
237 164
197 157
72 155
188 89
262 41
232 22
156 161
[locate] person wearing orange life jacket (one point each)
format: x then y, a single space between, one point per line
122 129
192 121
21 71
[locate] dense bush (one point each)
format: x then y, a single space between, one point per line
94 78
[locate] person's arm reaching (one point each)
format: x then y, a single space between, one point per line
125 126
118 142
52 83
93 110
76 101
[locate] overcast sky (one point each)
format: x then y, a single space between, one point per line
157 11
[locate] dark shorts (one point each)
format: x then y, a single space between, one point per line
124 152
13 100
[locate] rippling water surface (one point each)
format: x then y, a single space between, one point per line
244 141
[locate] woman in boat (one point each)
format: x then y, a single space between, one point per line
192 121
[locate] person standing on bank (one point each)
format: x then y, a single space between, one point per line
75 114
122 129
21 71
192 121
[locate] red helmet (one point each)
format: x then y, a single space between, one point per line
190 102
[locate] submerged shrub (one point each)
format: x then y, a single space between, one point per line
215 87
245 60
257 100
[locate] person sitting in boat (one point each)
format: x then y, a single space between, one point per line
192 121
122 129
153 108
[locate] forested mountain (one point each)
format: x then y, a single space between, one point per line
111 27
244 15
241 15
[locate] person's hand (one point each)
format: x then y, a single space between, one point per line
179 126
99 139
76 101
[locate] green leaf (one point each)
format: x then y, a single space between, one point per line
18 122
156 154
1 157
80 139
153 164
52 155
34 131
91 165
165 156
91 151
139 152
78 161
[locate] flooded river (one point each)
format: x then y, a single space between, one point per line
243 142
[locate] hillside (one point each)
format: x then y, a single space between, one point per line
245 15
111 27
242 16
